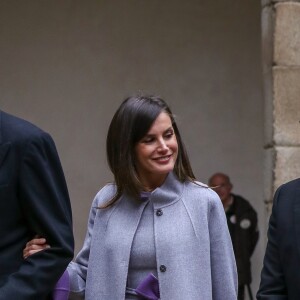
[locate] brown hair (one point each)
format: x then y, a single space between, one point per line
129 125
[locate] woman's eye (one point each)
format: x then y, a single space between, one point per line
148 140
168 135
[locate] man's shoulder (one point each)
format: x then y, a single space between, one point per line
291 184
240 199
242 203
14 128
287 191
17 123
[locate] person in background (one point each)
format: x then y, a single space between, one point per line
155 233
280 274
33 200
242 224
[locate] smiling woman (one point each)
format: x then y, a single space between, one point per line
143 145
147 226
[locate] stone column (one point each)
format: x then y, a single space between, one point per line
281 73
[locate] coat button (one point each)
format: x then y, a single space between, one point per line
159 212
163 268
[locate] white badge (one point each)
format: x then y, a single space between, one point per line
233 219
245 223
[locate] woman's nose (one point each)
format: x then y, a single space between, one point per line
162 146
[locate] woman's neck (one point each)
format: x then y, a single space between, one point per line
151 183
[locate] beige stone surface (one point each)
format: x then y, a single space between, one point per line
267 20
277 1
286 106
265 2
287 165
269 164
268 109
287 34
267 26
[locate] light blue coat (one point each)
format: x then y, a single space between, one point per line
191 240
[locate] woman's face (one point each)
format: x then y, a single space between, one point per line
156 152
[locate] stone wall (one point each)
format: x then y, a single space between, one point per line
281 70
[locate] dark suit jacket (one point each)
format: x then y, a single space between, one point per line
280 277
33 200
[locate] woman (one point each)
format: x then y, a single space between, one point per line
155 233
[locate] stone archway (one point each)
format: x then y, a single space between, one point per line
281 75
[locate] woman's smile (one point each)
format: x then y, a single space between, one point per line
163 159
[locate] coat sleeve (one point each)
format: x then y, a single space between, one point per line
45 203
78 269
223 266
272 285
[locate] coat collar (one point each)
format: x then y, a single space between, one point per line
114 229
169 193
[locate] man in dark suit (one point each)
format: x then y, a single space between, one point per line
280 276
33 201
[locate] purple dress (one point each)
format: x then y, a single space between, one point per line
62 288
